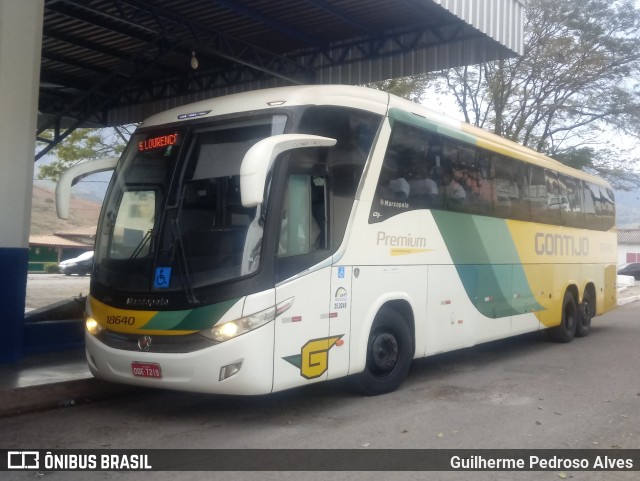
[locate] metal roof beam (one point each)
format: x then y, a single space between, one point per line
391 44
66 60
93 102
200 82
98 48
172 31
69 82
327 7
85 44
263 19
214 42
238 51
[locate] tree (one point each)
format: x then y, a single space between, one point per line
572 90
85 144
411 88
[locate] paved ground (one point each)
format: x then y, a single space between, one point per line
521 393
517 393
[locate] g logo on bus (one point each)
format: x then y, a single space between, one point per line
313 360
144 343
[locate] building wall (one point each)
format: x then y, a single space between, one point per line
40 257
628 253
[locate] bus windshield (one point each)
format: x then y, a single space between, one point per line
173 219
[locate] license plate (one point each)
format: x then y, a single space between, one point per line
146 369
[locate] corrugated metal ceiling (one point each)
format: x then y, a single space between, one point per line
109 62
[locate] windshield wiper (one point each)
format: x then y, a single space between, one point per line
182 256
186 280
141 244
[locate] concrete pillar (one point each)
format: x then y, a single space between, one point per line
20 46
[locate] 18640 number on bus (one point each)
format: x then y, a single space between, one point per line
119 320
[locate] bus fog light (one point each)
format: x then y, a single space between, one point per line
92 326
229 370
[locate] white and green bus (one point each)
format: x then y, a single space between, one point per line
272 239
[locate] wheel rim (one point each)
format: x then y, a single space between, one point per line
586 313
586 310
385 353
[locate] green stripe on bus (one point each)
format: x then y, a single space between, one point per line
422 122
488 264
191 319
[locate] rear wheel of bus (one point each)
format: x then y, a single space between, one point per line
566 330
587 311
389 354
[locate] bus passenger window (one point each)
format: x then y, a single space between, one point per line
599 207
511 199
555 202
454 191
537 193
572 208
473 172
453 177
423 187
392 183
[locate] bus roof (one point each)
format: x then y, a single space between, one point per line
488 140
366 99
346 95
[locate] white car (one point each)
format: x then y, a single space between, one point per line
80 265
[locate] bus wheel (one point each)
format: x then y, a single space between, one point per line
585 316
566 331
389 354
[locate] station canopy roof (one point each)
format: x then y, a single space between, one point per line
112 62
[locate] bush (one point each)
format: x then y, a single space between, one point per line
51 268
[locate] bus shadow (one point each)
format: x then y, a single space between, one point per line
321 401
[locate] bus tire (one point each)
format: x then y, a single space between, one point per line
587 308
389 355
566 330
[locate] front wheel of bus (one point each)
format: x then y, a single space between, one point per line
389 354
566 331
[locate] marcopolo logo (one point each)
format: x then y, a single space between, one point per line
147 302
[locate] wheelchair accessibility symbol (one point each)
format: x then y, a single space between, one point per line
162 278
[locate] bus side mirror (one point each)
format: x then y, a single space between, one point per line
73 175
259 158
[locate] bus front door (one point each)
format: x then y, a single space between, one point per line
302 340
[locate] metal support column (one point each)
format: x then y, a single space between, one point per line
20 46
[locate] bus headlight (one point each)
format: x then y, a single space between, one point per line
92 326
229 330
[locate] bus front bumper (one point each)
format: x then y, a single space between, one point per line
210 370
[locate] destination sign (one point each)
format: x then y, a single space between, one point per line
157 142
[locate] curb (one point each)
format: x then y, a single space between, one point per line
628 300
56 395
